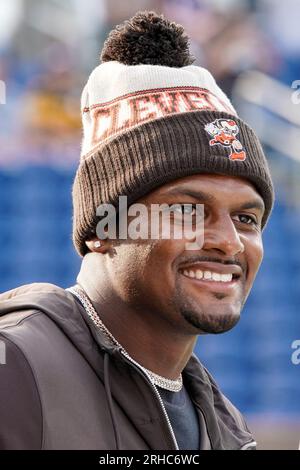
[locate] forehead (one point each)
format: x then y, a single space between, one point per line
218 186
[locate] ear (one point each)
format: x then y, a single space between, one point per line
97 245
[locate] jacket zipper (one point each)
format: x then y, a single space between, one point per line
159 399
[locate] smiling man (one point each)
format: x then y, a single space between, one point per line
109 362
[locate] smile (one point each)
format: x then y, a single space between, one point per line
209 276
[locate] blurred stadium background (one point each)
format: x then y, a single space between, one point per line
47 50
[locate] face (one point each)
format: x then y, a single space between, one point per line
201 290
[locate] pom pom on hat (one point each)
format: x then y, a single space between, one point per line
148 38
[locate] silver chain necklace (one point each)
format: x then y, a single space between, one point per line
163 382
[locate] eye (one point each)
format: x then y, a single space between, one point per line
247 219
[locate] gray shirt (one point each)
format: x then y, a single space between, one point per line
183 418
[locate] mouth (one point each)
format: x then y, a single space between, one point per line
213 276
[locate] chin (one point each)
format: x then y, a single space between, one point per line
211 323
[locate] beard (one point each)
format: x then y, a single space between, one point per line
213 318
210 323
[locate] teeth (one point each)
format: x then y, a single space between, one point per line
207 275
226 277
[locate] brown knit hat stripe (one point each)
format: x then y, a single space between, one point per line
154 153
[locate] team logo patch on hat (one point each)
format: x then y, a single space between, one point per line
224 132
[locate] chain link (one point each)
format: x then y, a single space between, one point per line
163 382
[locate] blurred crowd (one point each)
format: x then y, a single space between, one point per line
48 48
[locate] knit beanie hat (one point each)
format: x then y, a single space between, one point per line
150 117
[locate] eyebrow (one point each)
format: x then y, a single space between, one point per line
204 197
195 194
255 204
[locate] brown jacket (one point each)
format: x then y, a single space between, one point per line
63 386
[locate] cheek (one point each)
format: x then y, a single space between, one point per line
128 262
145 269
132 268
254 251
162 258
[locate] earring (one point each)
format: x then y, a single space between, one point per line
97 244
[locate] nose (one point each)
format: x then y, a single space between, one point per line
223 237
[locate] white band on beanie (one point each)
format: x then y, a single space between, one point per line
118 97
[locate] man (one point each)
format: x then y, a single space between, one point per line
109 363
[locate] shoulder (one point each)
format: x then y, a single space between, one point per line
33 290
19 305
36 316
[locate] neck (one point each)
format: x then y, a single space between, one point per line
147 337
